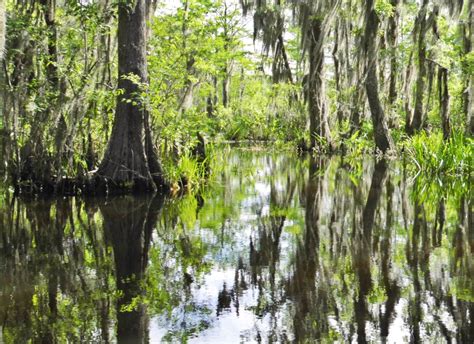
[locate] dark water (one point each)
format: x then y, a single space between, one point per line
276 249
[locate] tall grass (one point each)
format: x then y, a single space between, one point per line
443 165
194 173
434 156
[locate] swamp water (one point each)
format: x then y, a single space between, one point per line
277 248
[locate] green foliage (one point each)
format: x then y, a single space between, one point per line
194 47
442 166
436 157
384 8
469 63
262 111
188 167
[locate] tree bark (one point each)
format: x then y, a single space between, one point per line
382 136
337 75
281 69
225 70
318 120
443 94
415 122
286 61
188 94
392 41
5 133
49 8
469 94
36 163
2 28
130 161
225 88
354 69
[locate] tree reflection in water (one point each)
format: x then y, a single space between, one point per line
128 227
275 249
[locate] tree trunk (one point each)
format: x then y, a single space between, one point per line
469 94
392 41
130 162
225 71
443 94
415 122
281 69
2 28
49 8
37 165
318 121
382 136
225 88
354 68
285 58
188 95
337 76
5 133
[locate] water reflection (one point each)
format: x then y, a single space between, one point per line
128 227
276 249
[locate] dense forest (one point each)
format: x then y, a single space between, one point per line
126 95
